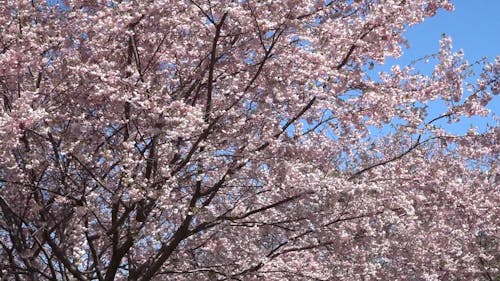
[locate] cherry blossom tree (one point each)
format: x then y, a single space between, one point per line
240 140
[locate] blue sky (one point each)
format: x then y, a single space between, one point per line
475 28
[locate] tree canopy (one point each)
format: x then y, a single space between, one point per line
240 140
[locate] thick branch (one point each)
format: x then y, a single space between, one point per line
213 60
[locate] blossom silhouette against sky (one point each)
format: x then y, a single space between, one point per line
474 28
